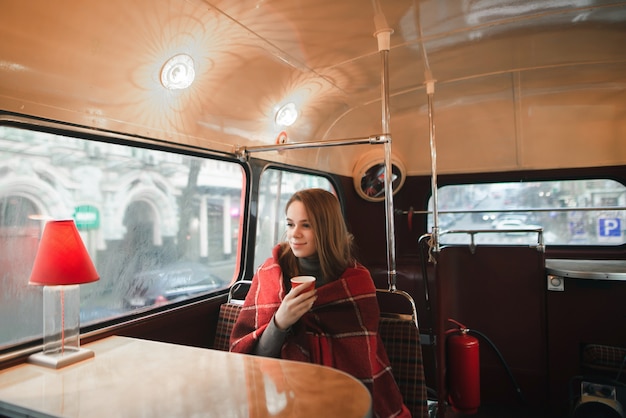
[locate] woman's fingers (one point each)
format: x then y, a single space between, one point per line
296 303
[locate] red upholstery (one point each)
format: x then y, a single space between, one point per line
604 357
225 322
402 343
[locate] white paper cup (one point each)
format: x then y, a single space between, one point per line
308 281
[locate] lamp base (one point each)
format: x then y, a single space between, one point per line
59 360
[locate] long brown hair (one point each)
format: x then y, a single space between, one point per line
333 241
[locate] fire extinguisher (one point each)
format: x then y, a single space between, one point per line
463 370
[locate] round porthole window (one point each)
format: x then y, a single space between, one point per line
369 176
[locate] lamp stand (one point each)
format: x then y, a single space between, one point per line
57 361
61 326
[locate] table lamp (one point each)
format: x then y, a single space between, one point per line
62 263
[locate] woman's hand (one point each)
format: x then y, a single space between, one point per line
296 303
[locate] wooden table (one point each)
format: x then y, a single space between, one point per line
138 378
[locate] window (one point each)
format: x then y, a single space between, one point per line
570 212
275 189
159 226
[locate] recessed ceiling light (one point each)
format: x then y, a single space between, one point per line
178 72
286 115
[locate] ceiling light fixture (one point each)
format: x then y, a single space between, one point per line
286 114
178 72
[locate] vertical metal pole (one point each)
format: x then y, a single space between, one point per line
389 212
439 322
430 91
383 36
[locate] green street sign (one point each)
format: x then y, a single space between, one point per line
86 217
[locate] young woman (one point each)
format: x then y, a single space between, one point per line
336 324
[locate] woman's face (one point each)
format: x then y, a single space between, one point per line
299 231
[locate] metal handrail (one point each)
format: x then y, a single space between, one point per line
242 152
532 210
472 232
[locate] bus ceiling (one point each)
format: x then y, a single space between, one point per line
522 79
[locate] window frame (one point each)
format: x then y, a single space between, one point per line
135 142
537 177
262 166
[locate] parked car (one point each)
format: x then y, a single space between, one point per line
516 218
172 282
513 224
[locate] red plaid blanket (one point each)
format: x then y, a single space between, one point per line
340 331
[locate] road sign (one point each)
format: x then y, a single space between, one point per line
86 217
609 229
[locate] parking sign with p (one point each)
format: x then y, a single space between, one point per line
609 229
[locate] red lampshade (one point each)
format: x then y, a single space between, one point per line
62 258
